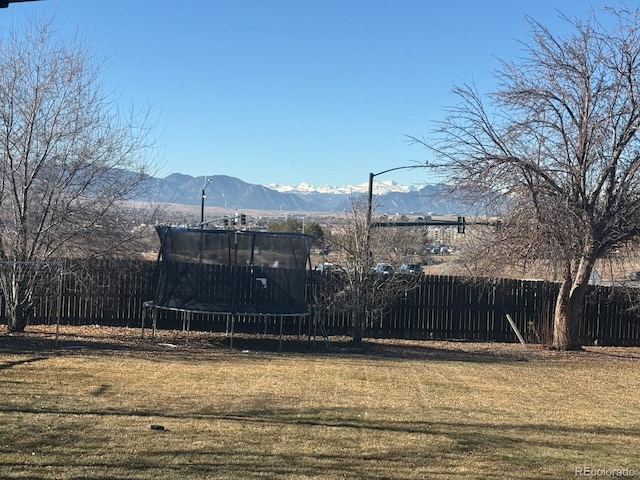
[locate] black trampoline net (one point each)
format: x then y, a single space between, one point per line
231 271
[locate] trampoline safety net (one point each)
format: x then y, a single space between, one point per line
229 271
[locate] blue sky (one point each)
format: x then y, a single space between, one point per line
284 91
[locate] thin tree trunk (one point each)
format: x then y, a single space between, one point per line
359 315
562 318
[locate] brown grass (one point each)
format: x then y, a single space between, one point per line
83 409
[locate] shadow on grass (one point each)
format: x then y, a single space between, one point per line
26 343
178 344
391 349
537 450
8 365
342 418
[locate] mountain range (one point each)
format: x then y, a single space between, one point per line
231 192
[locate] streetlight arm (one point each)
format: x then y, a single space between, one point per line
370 191
406 167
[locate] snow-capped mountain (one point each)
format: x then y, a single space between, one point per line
379 188
231 192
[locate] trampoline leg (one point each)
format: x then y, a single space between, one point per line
280 343
233 321
188 325
233 326
315 329
154 321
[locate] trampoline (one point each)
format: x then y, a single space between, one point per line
232 273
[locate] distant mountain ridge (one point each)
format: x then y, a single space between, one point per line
230 192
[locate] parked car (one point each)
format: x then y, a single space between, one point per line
384 269
411 268
325 267
440 249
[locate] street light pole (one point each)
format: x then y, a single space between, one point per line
370 204
202 197
370 210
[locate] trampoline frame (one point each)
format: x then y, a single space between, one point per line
232 313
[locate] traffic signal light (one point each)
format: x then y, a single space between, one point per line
243 219
461 224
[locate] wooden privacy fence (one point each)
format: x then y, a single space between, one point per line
447 307
441 307
105 292
456 308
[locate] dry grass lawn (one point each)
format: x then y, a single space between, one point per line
83 409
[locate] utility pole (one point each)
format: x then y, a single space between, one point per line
203 195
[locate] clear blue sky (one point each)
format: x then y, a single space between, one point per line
290 91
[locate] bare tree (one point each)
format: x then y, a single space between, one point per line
69 160
555 152
355 289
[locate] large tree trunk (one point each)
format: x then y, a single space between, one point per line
570 307
18 316
17 286
565 320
